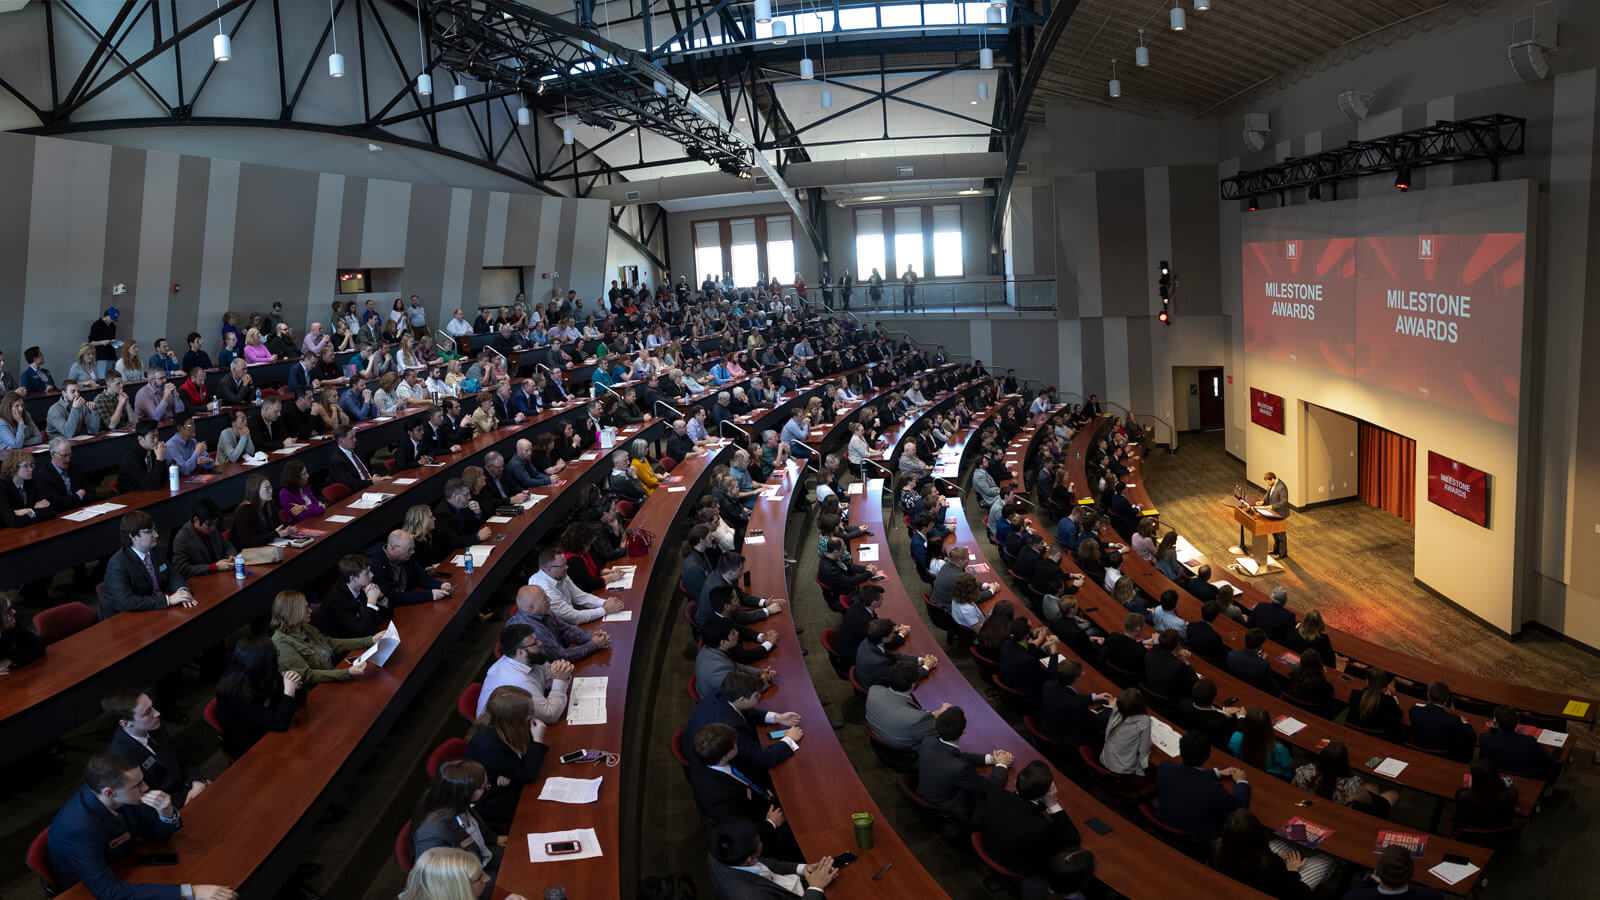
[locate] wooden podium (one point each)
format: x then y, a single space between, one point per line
1259 527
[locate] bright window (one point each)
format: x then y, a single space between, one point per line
746 262
858 17
908 240
707 252
947 242
869 243
900 15
780 248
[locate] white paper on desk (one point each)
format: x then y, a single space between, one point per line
855 488
625 615
1390 767
480 554
285 451
771 495
433 465
1186 551
532 499
382 418
571 790
588 844
1288 726
867 553
380 652
1230 584
591 455
753 539
404 481
875 483
368 501
586 701
1552 738
1163 737
676 489
1450 873
626 581
498 520
80 515
341 519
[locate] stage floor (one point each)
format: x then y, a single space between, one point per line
1354 563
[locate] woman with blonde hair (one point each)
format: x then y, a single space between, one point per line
255 351
343 339
17 428
639 450
384 399
406 357
129 363
419 524
84 369
448 873
304 649
482 419
508 740
327 411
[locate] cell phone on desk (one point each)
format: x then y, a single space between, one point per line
497 538
1345 678
155 859
1230 701
1098 827
840 860
756 532
1297 832
1456 859
777 733
562 848
578 756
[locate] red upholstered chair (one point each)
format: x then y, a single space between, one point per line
65 620
210 715
1119 786
855 682
404 849
694 689
1014 698
335 492
1002 871
467 703
625 509
454 748
39 862
830 641
1187 840
902 761
675 743
667 463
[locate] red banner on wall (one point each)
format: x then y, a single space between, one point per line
1266 410
1459 488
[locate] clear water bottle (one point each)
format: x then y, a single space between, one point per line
468 556
238 567
172 478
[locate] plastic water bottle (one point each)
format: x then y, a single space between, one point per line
172 478
468 556
238 567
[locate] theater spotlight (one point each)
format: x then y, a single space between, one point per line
1314 192
1164 318
1166 281
1402 179
1252 206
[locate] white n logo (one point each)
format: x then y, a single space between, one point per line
1425 247
1291 249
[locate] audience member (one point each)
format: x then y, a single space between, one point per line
739 870
138 576
447 820
559 638
1022 828
523 664
142 741
200 547
948 778
508 741
1190 797
304 649
1254 744
1392 878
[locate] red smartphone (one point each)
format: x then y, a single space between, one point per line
561 848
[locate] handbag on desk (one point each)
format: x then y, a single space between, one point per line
262 556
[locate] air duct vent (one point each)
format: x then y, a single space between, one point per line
763 181
632 196
903 171
1022 167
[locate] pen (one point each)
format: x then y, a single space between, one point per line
879 874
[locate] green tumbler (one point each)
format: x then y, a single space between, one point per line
863 823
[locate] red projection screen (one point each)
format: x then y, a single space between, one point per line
1299 302
1459 488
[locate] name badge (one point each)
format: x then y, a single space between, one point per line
162 568
119 840
148 762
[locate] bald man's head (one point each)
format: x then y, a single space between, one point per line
531 600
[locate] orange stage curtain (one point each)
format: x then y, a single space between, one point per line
1388 471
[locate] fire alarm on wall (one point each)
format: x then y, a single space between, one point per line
174 287
544 275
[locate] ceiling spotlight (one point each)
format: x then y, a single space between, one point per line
221 47
873 197
524 116
459 92
1115 86
994 15
763 11
1164 318
986 58
336 65
807 68
1141 53
1202 5
1402 179
566 136
983 90
425 84
827 99
780 32
1252 206
540 91
1179 20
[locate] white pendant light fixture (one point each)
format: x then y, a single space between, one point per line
1180 21
221 45
459 92
986 58
763 11
780 32
994 14
566 136
983 90
335 59
1115 86
524 116
808 69
1141 53
827 95
1202 5
424 80
827 99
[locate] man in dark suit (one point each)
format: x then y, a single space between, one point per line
1276 498
893 713
1020 653
235 387
356 607
138 576
1250 666
1202 638
1067 716
345 465
1192 798
267 431
144 468
1022 828
623 481
104 822
142 741
303 376
397 573
1200 585
877 653
61 482
201 547
716 660
853 626
297 418
1274 617
949 779
412 450
1028 557
839 578
441 435
458 520
1515 753
1392 878
1201 713
1166 668
735 706
723 793
739 870
750 609
1125 651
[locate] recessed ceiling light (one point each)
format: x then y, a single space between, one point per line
970 191
873 197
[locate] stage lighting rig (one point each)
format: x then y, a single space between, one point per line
1167 285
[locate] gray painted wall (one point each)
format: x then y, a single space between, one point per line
192 237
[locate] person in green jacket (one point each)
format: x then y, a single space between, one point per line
304 649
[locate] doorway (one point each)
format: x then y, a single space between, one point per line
1212 414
